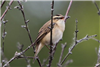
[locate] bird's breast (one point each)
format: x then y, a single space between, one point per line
56 36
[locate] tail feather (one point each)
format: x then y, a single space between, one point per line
38 48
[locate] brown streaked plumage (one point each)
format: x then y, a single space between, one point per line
43 37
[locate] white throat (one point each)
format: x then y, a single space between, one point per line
61 24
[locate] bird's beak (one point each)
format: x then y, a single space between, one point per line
66 17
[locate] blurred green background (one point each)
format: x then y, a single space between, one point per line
39 12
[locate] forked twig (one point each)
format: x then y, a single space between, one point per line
76 42
10 3
3 2
26 27
61 55
97 7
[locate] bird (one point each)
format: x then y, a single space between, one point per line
43 37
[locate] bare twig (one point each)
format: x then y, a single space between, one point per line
97 65
26 26
96 40
98 60
3 36
4 59
70 49
18 55
97 7
25 21
86 38
76 42
14 57
67 63
10 3
52 9
66 15
4 33
98 55
20 47
44 61
61 55
3 2
53 52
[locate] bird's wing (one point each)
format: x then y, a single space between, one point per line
44 30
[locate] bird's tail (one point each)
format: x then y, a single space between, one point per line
38 48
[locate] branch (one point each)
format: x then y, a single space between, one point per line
66 15
10 3
61 55
76 42
67 63
3 36
52 9
15 56
26 26
44 61
98 60
96 40
20 47
3 2
97 7
4 59
25 21
97 65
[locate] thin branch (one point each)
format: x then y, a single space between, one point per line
61 55
4 33
10 3
67 63
3 2
15 56
53 52
52 9
76 31
26 26
97 65
98 60
44 61
96 40
66 15
97 7
76 42
19 54
25 21
4 59
3 36
20 47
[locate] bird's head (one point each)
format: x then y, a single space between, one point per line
58 17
